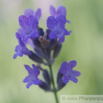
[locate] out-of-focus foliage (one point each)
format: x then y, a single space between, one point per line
85 45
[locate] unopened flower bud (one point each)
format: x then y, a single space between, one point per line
47 54
44 86
60 84
39 52
35 58
53 43
57 49
47 77
59 76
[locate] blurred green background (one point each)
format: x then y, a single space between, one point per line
85 45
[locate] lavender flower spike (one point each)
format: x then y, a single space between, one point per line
61 10
32 78
57 27
68 73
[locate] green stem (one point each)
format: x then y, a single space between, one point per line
54 89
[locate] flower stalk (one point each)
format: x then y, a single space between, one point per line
54 88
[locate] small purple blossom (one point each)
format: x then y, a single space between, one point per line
57 27
32 78
19 51
61 10
21 48
29 26
68 73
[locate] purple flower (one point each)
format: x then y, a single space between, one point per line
19 51
57 27
68 73
29 26
32 78
61 10
29 12
21 48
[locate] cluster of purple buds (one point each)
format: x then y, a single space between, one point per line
46 45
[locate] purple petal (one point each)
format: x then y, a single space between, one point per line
75 80
15 56
38 14
17 35
21 32
26 37
21 53
34 34
52 10
61 38
29 84
52 35
60 21
65 79
61 10
51 22
17 48
67 32
67 21
36 81
28 12
29 69
24 22
63 68
35 70
30 42
72 64
21 43
33 22
76 73
27 79
26 51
